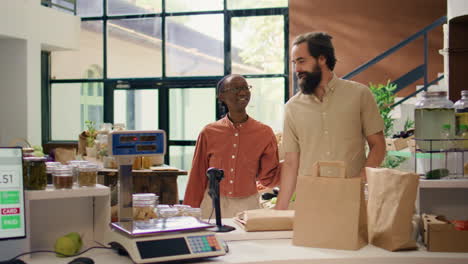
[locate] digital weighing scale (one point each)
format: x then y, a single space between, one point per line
155 240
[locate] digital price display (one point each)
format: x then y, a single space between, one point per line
126 139
146 147
12 220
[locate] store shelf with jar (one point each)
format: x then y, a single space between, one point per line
441 139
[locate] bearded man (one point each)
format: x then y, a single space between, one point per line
329 119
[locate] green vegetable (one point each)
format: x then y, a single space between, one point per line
68 245
76 238
437 174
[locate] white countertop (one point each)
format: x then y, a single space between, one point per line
276 247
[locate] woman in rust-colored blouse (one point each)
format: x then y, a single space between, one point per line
243 147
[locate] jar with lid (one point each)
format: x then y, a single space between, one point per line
195 212
74 164
431 114
144 206
34 173
168 212
62 177
461 111
181 208
50 166
87 175
119 126
105 127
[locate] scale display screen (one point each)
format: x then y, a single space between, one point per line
162 248
146 147
126 139
12 220
147 138
138 143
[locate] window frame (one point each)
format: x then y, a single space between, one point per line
163 83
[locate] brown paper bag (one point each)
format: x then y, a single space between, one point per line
64 155
330 211
390 208
82 143
265 220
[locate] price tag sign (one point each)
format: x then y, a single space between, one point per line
9 179
11 194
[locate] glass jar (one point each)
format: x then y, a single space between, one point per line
87 175
62 177
195 212
144 206
461 111
119 126
74 164
107 127
34 173
168 212
181 208
50 166
434 112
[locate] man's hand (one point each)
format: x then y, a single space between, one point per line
288 180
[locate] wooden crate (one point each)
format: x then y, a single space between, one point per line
396 143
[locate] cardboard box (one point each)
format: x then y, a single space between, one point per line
396 143
441 236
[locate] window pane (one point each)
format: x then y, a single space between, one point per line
188 5
258 45
134 48
190 109
84 63
195 45
89 8
71 106
128 7
62 5
267 101
247 4
137 109
181 157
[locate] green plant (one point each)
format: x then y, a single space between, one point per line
90 133
409 124
385 97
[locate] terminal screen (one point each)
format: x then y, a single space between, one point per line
12 224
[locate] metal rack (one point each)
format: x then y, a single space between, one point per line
454 149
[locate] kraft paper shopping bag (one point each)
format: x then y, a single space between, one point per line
390 208
330 211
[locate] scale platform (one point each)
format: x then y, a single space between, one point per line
169 239
161 226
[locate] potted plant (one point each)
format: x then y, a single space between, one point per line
91 134
385 97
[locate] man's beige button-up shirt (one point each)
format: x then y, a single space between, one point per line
334 129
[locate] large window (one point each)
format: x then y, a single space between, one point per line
154 64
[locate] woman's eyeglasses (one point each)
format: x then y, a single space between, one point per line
238 89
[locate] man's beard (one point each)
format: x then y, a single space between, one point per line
310 81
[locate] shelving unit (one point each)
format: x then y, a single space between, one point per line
76 192
53 213
444 183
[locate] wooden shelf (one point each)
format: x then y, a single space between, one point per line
76 192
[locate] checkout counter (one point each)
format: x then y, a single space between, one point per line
276 247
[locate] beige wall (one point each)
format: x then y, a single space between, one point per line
363 29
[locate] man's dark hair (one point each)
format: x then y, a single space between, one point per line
319 43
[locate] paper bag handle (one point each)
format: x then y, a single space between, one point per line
334 164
